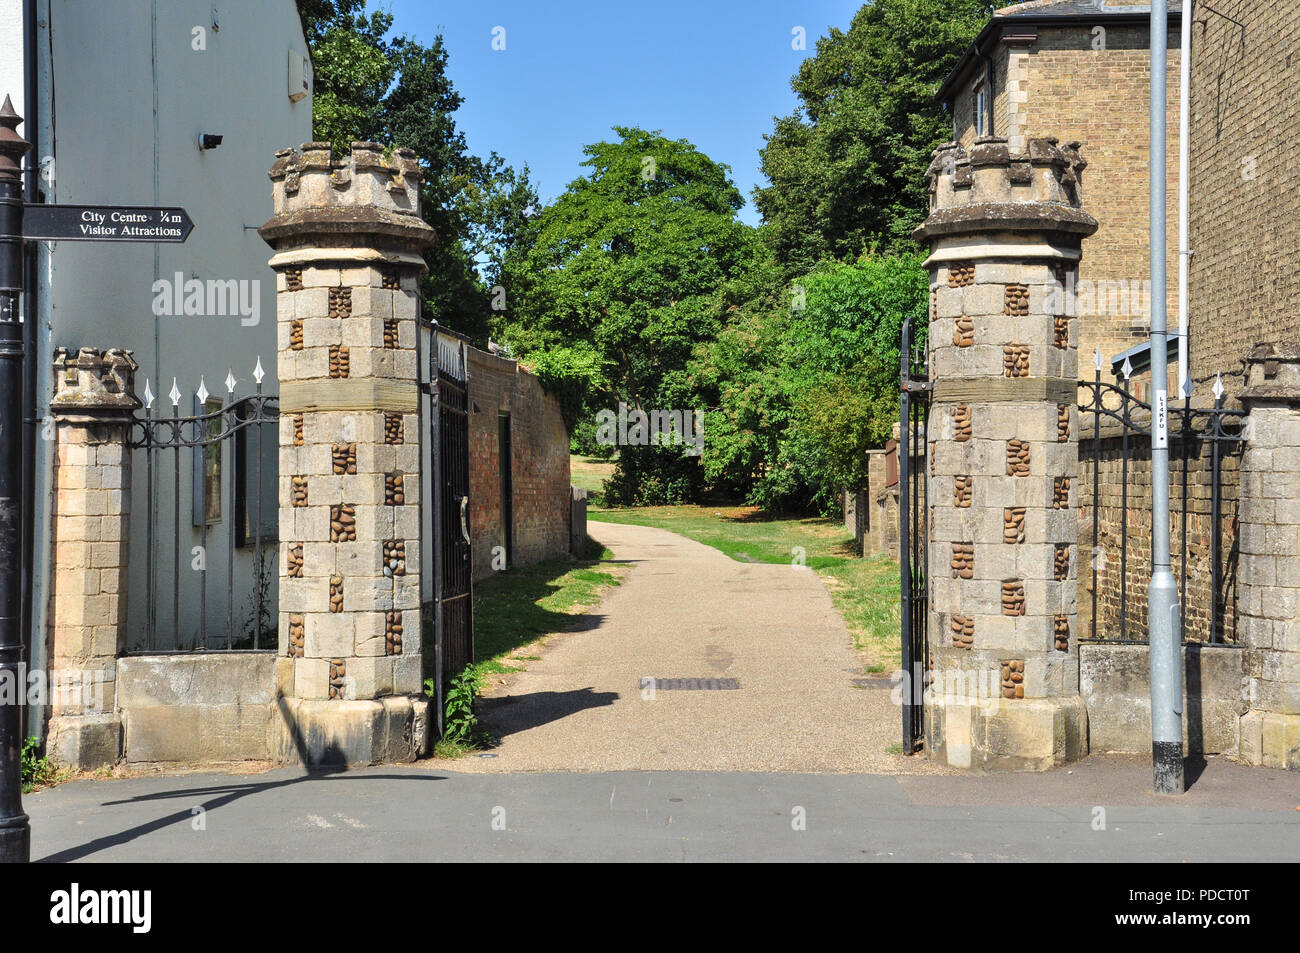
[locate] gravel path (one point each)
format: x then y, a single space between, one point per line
686 611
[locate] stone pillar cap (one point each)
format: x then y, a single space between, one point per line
360 198
1272 374
94 382
992 189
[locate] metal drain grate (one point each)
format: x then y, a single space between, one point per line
690 684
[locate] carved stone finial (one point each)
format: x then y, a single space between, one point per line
363 199
94 382
1272 374
989 188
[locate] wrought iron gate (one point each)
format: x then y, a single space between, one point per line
208 475
450 613
913 533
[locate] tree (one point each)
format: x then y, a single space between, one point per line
620 272
395 90
804 380
847 168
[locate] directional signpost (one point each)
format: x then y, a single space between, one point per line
19 223
106 223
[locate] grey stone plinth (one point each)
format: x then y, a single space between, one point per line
84 742
352 733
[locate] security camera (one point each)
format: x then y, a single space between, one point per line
208 141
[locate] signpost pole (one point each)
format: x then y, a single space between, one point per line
15 831
20 222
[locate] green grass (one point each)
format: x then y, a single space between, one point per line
516 608
590 474
865 591
516 611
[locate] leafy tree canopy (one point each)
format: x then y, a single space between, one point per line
372 86
847 168
803 380
616 279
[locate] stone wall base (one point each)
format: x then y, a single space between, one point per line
1270 739
84 742
207 707
1115 681
1027 734
349 733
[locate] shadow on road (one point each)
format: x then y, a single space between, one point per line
219 796
323 762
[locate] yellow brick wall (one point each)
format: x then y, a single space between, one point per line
1060 86
1245 204
964 103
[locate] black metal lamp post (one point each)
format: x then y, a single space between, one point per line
15 832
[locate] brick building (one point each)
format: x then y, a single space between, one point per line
1245 205
1079 70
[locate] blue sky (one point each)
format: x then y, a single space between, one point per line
712 73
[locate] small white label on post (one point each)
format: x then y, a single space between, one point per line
1162 420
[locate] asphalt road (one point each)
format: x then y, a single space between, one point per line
426 813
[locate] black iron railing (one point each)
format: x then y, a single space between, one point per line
1115 452
212 467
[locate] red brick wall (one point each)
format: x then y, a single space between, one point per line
540 469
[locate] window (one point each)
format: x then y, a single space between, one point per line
256 475
206 490
981 109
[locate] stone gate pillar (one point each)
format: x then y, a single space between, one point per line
93 405
348 237
1005 232
1268 598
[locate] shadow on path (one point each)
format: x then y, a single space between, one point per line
325 761
508 714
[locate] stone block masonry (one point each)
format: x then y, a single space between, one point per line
348 239
1268 604
1003 226
92 408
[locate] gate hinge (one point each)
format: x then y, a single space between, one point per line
918 386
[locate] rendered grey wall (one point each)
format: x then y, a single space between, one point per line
131 96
